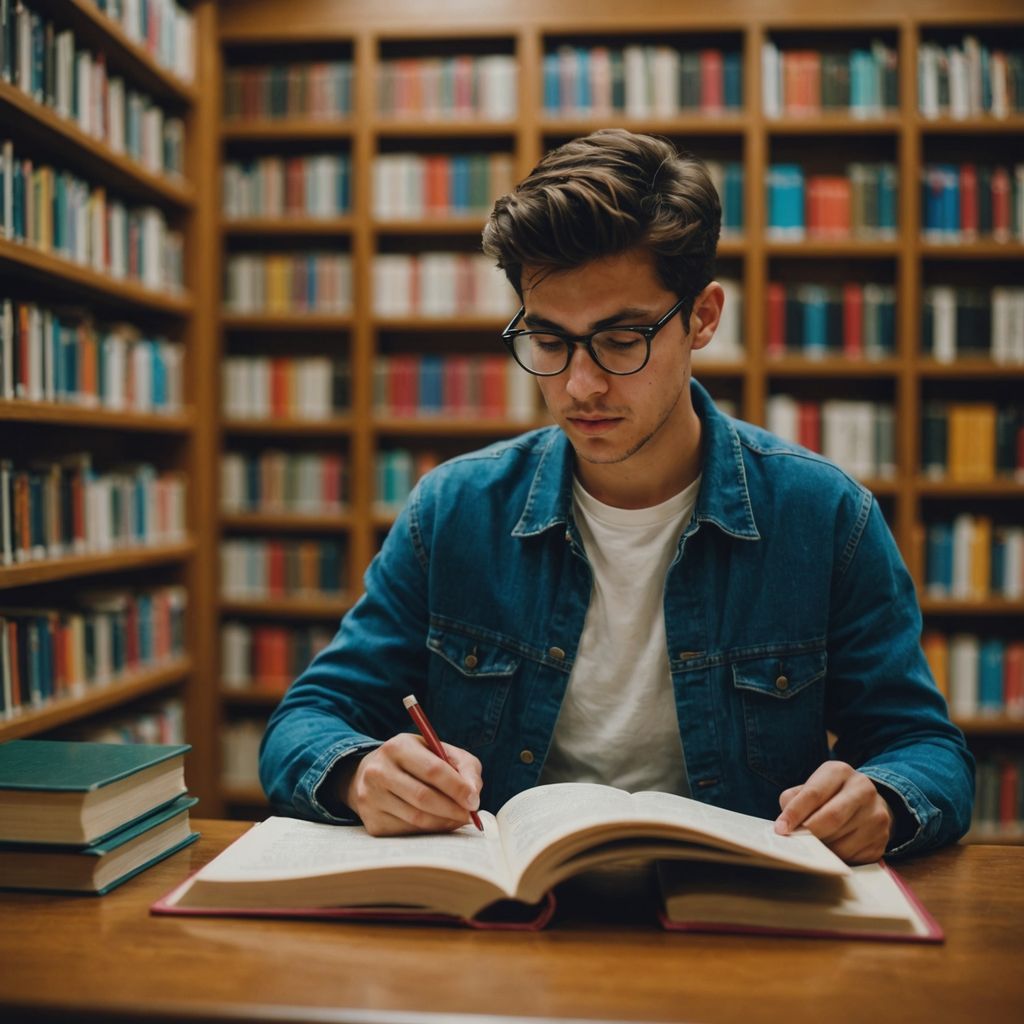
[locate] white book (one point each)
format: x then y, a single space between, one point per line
34 392
7 349
520 393
634 64
665 81
7 167
727 344
781 417
959 86
1002 302
236 654
963 534
771 80
1013 576
999 74
1017 326
963 675
972 58
944 341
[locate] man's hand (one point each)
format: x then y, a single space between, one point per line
401 787
842 807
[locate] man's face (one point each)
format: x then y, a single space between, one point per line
646 417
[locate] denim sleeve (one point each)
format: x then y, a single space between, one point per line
349 699
889 717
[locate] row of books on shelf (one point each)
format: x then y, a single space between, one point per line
977 675
296 387
863 81
396 471
274 482
54 653
271 568
973 321
318 90
972 558
972 441
999 798
57 212
858 436
51 355
964 202
416 185
439 284
449 88
969 79
240 740
64 507
314 185
854 320
641 81
155 721
45 63
165 28
454 387
288 282
858 203
266 658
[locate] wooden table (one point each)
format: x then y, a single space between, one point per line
108 959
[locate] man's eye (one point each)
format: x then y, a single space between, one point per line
547 342
620 340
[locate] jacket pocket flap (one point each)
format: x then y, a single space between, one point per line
471 657
780 675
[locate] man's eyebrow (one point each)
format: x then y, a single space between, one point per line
630 315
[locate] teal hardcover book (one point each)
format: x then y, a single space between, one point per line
54 791
102 865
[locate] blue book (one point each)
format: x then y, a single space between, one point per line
815 326
159 375
732 81
887 185
431 385
939 559
950 218
584 99
460 198
105 864
552 104
990 676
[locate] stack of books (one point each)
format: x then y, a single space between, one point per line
86 817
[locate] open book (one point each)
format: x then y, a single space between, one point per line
539 838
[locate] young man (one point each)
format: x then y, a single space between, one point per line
649 594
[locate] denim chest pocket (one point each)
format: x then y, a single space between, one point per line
783 706
469 682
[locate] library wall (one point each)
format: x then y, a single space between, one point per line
335 333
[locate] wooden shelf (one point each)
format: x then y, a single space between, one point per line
338 425
53 569
725 122
99 698
830 366
287 607
423 129
297 129
835 123
97 31
286 321
91 282
65 414
469 322
989 606
459 224
973 367
336 522
983 249
95 157
839 248
969 489
1012 125
440 427
299 225
994 725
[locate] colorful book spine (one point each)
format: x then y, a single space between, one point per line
318 185
51 654
270 568
157 721
999 800
798 82
439 284
969 80
966 202
449 88
959 322
973 558
267 658
414 185
296 282
286 387
977 675
274 482
858 436
319 90
972 442
165 28
396 472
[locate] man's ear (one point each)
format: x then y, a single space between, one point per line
707 311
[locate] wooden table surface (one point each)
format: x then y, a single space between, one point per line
108 959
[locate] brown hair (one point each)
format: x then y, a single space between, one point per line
603 194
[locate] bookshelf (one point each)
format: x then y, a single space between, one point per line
66 416
888 129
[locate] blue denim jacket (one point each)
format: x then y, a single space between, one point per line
788 611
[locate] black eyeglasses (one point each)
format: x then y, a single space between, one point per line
618 350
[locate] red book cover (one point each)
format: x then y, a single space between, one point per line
492 386
809 425
1013 678
275 568
278 388
853 320
1009 784
1001 204
455 383
24 360
712 88
969 201
12 646
775 340
294 200
403 386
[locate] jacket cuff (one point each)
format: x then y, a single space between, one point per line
916 819
308 798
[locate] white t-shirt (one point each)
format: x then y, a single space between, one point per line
618 723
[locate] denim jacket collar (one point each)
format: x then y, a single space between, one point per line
724 499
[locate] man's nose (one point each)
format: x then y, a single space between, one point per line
585 377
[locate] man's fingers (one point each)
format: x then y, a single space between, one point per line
823 784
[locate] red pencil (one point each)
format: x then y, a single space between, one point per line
427 732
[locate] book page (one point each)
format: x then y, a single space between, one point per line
284 848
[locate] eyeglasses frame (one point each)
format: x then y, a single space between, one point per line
649 332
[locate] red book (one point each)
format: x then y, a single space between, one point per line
455 383
1001 204
403 386
1013 678
1009 784
279 388
275 568
24 360
12 646
809 425
969 201
775 340
816 199
853 320
712 88
493 386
